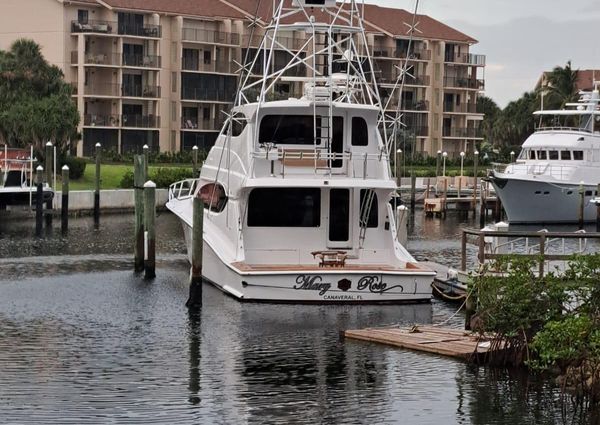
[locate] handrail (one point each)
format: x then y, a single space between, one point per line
183 189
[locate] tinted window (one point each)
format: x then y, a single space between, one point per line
541 154
287 207
360 133
552 154
373 212
578 155
339 215
565 155
531 154
287 129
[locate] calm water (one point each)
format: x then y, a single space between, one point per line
85 340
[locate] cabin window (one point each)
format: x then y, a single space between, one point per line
552 155
372 219
541 155
214 197
565 155
360 132
531 154
578 155
288 130
284 207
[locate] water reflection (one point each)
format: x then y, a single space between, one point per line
91 342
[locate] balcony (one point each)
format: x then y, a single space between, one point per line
214 124
102 59
206 94
417 80
140 91
140 121
463 108
95 120
419 105
216 66
389 53
462 132
102 89
208 36
142 61
97 27
464 83
419 131
145 30
465 58
290 43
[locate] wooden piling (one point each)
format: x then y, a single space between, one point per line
475 171
195 298
195 161
39 200
413 189
581 205
64 208
139 178
149 218
97 185
146 151
437 163
445 202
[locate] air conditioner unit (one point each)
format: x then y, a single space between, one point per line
314 3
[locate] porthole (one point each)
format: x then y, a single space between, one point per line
569 192
538 192
546 193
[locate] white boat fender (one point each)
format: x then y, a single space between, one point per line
452 274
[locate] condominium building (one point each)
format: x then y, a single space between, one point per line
163 72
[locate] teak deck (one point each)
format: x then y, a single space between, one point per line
448 342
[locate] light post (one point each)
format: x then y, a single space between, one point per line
512 156
462 159
444 155
437 163
398 161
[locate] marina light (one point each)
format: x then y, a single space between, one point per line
476 153
462 159
445 154
512 156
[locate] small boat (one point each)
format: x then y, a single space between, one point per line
298 192
556 167
16 173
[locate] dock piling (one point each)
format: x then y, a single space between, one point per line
437 163
64 209
581 205
39 200
413 189
97 186
146 151
195 298
149 218
475 164
139 178
48 163
598 209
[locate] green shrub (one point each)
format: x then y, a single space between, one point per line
76 166
127 181
163 177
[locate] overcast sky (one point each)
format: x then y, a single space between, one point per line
521 38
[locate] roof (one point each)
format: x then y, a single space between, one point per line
392 21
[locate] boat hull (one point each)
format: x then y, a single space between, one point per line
540 202
321 285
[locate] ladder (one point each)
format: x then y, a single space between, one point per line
365 211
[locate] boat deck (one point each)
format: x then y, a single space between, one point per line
245 267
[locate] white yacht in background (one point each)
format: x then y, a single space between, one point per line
544 183
297 191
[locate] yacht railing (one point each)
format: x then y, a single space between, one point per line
559 172
319 160
560 128
183 189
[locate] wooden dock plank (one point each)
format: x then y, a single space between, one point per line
449 342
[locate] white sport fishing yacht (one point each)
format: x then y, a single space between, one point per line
297 192
555 165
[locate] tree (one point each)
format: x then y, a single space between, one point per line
35 102
491 111
561 87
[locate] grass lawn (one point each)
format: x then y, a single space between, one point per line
110 175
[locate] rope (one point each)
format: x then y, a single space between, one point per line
456 312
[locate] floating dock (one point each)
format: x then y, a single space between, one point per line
455 343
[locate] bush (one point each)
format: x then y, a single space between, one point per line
76 166
163 177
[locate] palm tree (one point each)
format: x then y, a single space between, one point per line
561 86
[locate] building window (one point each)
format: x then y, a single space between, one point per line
174 82
207 57
295 207
360 132
82 16
191 59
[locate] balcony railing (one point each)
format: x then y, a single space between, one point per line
93 26
415 54
289 42
208 36
464 83
101 120
465 58
420 131
101 89
148 61
195 124
134 90
140 121
464 108
419 105
465 132
145 30
188 93
417 80
224 67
